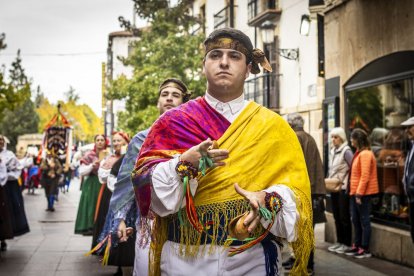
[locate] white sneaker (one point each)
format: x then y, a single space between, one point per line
342 249
332 248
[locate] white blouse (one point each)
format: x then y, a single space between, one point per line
10 167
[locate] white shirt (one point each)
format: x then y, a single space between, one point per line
229 110
10 168
168 190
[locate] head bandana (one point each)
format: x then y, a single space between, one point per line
124 135
176 83
228 38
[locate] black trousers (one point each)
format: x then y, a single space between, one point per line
341 213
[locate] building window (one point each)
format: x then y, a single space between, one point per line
256 7
380 109
256 89
264 89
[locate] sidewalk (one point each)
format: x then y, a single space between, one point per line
51 248
328 263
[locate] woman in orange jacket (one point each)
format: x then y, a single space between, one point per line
363 185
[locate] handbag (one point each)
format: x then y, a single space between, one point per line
333 185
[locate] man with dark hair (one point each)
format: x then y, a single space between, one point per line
408 179
220 170
122 209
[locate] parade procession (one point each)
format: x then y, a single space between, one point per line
197 137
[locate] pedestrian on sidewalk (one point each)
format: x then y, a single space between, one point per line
340 162
91 186
13 221
316 177
123 212
51 169
363 185
249 196
408 179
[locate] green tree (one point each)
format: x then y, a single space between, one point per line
167 50
71 95
16 91
3 45
17 109
16 73
39 97
22 120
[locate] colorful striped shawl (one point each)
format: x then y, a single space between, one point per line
173 133
264 151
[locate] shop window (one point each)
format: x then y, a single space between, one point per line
379 110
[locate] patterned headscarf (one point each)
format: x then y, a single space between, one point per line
229 38
176 83
124 135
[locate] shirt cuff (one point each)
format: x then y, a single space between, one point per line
285 221
167 189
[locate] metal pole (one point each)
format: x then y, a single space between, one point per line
231 4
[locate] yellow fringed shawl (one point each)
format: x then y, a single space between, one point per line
263 151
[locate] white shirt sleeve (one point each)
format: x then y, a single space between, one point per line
103 175
3 174
85 169
110 182
285 222
14 168
167 189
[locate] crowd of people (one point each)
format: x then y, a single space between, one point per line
217 185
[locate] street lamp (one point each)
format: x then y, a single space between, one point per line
305 25
267 30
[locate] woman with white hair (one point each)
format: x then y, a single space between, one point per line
340 163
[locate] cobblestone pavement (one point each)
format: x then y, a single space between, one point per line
51 247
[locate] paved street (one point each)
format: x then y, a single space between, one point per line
51 248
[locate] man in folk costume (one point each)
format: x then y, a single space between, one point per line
224 178
122 212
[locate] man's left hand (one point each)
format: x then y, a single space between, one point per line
256 199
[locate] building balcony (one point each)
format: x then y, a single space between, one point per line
221 18
262 10
263 90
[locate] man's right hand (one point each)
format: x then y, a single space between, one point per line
194 154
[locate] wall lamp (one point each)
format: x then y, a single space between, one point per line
305 25
267 30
